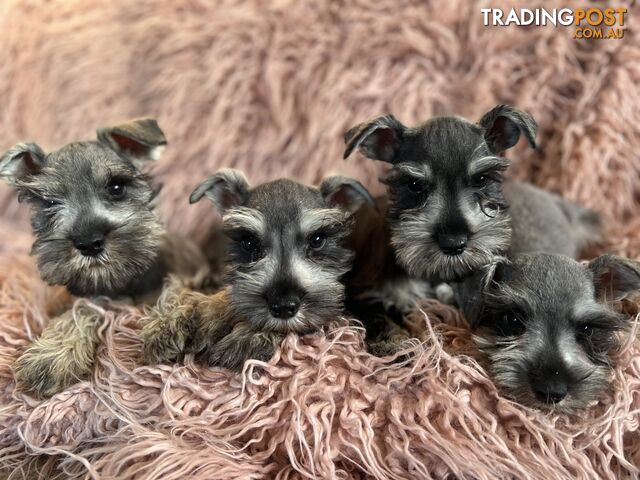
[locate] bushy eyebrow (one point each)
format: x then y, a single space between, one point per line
404 170
246 219
321 218
487 163
596 315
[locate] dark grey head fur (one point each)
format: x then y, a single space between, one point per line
95 231
285 251
447 212
546 326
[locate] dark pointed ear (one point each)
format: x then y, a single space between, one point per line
139 140
614 277
22 160
226 189
502 127
345 193
378 139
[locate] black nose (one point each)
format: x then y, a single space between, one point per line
550 390
90 245
453 244
285 307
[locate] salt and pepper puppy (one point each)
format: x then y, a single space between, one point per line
286 257
546 325
96 234
451 211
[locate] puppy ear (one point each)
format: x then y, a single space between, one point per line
22 160
502 126
226 189
345 193
498 271
614 277
471 292
139 139
377 139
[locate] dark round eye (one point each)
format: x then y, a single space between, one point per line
317 241
416 186
251 245
585 330
510 324
481 181
116 189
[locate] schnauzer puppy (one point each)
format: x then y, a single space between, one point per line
450 210
545 323
96 234
285 260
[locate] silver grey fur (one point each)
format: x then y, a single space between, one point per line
280 218
546 326
69 194
446 185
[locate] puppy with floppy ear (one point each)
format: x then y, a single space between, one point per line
451 209
97 235
547 326
285 261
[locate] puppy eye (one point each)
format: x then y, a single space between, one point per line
251 245
585 330
416 186
116 189
317 241
510 324
481 181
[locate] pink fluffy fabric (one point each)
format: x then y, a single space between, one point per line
270 88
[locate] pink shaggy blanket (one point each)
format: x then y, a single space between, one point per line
270 87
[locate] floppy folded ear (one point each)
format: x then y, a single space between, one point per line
345 193
502 126
226 189
22 160
139 139
614 277
485 280
378 139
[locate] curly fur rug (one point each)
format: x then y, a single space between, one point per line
270 87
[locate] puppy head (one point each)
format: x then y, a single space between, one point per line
447 212
95 231
547 329
286 254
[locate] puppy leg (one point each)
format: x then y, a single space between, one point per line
62 355
168 327
184 321
389 339
241 344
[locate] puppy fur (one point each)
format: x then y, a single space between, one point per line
285 260
546 325
97 235
449 210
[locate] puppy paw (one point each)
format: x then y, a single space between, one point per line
161 343
61 357
242 344
390 340
446 294
387 348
